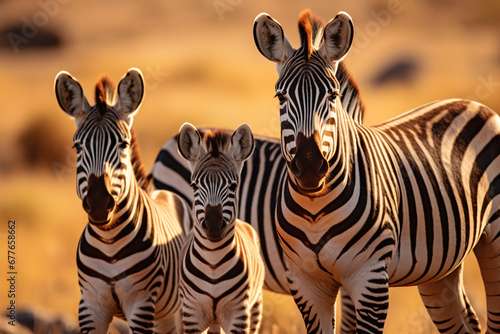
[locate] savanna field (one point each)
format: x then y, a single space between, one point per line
201 66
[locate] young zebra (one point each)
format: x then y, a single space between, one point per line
222 270
399 204
129 253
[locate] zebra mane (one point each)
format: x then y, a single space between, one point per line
310 31
104 94
217 142
346 80
141 175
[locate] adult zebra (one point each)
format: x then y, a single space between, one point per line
129 253
222 272
398 204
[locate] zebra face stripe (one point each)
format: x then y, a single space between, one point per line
102 145
215 186
308 94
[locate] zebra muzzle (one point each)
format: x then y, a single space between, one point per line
308 166
214 222
99 204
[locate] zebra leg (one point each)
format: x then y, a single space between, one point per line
141 314
256 315
448 305
168 325
237 317
348 320
93 320
488 256
369 290
194 318
214 329
315 301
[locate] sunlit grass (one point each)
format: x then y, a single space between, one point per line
208 72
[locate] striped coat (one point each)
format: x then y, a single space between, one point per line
129 253
222 271
365 208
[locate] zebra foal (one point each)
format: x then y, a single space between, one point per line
222 272
129 253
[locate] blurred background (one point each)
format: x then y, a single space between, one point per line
201 66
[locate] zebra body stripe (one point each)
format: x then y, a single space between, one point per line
409 205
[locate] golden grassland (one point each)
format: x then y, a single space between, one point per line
206 70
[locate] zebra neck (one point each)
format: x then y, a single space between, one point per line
349 94
214 251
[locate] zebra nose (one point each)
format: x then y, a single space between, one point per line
308 165
214 221
98 203
308 158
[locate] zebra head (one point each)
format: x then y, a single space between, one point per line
216 163
102 140
308 91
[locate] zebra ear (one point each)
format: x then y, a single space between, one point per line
189 142
70 95
242 143
337 37
130 92
270 39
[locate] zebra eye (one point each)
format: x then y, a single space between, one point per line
124 144
281 96
232 186
194 186
77 147
333 94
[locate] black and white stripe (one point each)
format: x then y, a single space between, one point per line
399 204
222 272
129 253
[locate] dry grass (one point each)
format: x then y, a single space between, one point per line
207 71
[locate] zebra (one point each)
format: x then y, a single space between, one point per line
398 204
128 256
222 272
